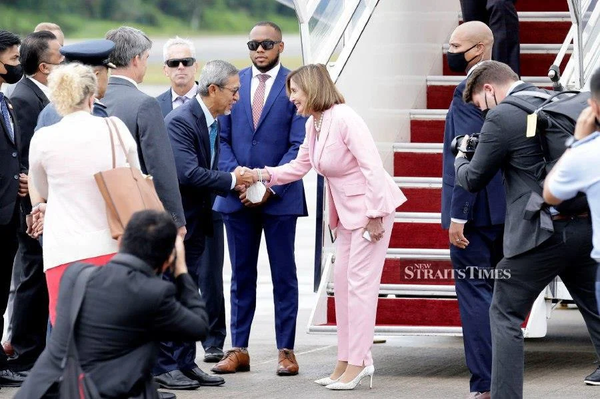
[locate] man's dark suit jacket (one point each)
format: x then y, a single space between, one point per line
127 309
186 126
10 167
165 100
503 145
143 117
28 101
486 207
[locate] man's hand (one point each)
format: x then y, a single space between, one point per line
375 229
181 232
586 124
249 204
245 176
456 236
36 218
180 266
23 186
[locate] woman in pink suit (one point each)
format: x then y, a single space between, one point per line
362 202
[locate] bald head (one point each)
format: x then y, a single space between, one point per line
475 40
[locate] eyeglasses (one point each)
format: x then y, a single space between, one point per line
233 91
265 44
174 63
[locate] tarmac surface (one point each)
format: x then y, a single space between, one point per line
405 367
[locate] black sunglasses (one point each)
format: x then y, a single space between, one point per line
174 63
265 44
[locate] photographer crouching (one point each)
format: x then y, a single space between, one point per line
539 242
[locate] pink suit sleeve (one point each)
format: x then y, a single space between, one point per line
291 171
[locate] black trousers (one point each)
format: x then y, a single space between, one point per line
565 254
9 244
501 16
210 282
30 309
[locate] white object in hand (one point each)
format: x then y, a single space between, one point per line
256 192
367 235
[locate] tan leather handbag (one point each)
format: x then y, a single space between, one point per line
125 189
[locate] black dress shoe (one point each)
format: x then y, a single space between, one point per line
203 378
9 378
166 395
175 380
213 355
594 378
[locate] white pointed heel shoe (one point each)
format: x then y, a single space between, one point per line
326 381
366 372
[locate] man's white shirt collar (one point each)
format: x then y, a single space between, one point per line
190 94
271 72
514 86
209 118
42 86
126 78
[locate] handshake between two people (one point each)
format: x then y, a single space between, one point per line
249 183
246 177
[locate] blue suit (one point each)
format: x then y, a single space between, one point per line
50 116
198 181
484 212
165 100
275 141
210 271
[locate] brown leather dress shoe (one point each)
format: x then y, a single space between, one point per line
236 359
287 363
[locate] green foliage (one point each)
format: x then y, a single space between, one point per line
92 18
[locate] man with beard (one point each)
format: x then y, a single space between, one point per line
263 129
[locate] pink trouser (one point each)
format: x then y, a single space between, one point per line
356 277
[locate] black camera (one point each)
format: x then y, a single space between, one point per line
471 146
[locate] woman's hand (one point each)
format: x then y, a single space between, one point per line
375 229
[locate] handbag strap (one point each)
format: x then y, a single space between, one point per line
76 301
112 126
112 144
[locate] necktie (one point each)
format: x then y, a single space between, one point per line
259 98
183 99
6 117
213 138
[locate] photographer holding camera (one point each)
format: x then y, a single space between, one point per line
475 221
539 243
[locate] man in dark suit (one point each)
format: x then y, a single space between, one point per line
193 130
474 220
142 116
501 16
116 344
539 243
263 129
181 68
12 186
39 56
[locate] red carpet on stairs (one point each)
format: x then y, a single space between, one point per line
419 235
417 271
542 5
427 131
421 200
417 164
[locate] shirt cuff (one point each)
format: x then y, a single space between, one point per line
232 180
459 221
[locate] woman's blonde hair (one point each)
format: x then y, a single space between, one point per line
314 80
70 86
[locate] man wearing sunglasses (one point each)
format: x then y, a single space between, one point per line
263 129
40 54
181 68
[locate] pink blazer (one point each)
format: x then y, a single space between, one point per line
358 187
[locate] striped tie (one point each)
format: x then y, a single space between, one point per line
259 98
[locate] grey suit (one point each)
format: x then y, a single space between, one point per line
143 117
536 248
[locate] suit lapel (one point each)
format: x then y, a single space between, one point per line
246 84
325 129
277 87
202 130
37 91
5 128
